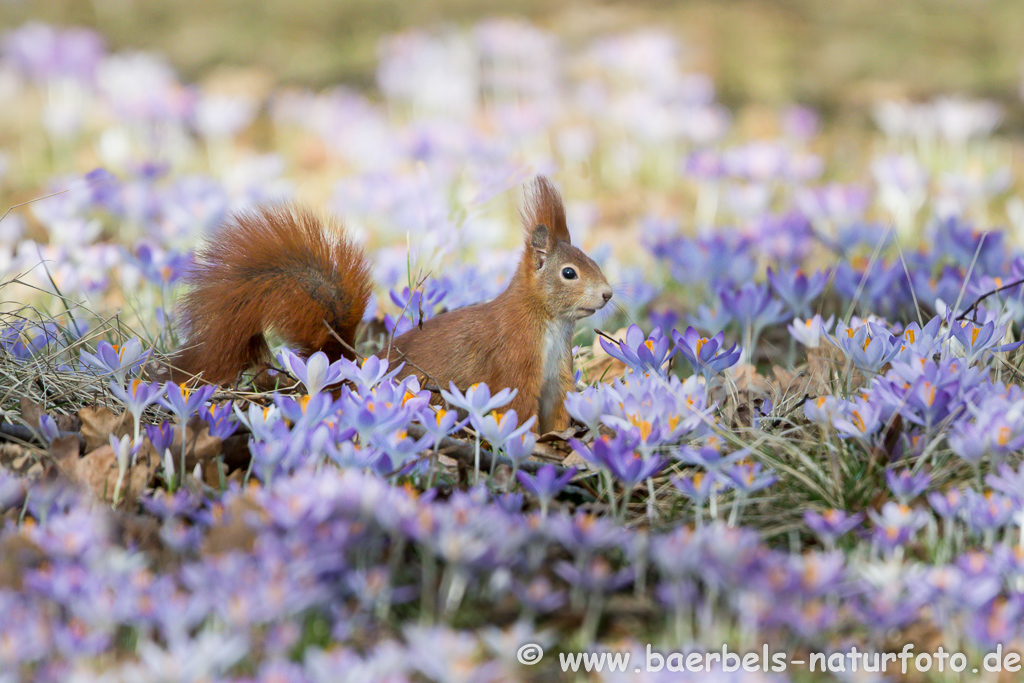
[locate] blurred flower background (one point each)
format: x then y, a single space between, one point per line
817 206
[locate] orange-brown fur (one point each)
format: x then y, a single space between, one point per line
278 268
500 342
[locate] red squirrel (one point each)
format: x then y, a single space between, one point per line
282 268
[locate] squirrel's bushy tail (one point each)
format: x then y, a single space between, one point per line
279 268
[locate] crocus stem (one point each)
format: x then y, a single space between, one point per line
434 464
427 590
735 513
182 425
476 461
117 486
627 493
588 630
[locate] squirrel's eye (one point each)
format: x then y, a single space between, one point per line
569 273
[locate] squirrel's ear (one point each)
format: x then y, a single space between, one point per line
539 245
543 207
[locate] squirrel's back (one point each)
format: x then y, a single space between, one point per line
274 267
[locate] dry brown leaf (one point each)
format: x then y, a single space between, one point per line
236 477
67 423
155 370
99 423
17 554
65 451
562 436
31 412
828 365
232 532
447 462
212 471
543 451
20 460
739 394
799 382
748 380
574 459
98 471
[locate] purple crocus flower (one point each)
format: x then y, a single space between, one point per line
753 306
714 318
44 53
808 332
977 339
619 457
710 458
638 352
546 484
316 372
664 320
500 428
747 477
439 422
946 505
371 372
117 360
832 524
869 346
368 414
162 268
596 577
699 486
22 340
216 417
477 400
970 441
48 428
822 410
183 401
539 596
906 485
796 289
587 406
922 342
859 419
518 450
987 512
416 307
1008 481
160 436
137 397
706 356
896 524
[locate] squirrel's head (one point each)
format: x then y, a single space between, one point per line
568 281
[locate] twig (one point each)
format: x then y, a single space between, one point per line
963 316
21 433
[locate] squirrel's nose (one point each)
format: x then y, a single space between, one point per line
607 294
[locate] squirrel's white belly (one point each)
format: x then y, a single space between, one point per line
557 352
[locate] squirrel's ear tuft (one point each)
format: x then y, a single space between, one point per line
539 245
543 208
